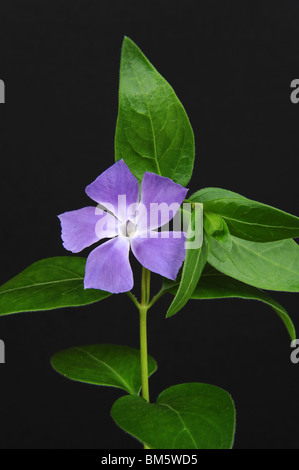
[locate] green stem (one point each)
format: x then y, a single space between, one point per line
156 298
143 353
143 308
134 300
145 286
145 294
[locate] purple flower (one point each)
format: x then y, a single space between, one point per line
129 223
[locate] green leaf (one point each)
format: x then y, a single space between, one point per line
270 266
186 416
216 285
210 194
248 219
217 228
103 364
153 132
193 266
48 284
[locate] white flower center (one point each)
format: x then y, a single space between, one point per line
128 229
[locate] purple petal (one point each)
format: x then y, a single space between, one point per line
161 255
83 227
108 267
115 181
160 198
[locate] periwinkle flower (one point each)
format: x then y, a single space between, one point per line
129 223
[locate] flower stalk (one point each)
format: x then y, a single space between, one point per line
143 308
143 353
145 295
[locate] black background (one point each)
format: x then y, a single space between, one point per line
231 64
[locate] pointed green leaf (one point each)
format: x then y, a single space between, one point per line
193 266
48 284
248 219
270 266
186 416
216 285
103 364
153 132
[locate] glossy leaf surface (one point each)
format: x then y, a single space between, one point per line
48 284
248 219
186 416
270 266
103 364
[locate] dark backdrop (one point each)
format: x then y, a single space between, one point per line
231 64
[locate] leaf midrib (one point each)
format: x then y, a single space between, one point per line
256 224
282 213
149 115
128 387
185 426
182 421
41 284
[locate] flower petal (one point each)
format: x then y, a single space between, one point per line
115 181
83 227
108 267
159 254
160 198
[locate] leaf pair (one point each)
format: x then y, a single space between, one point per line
186 416
272 266
266 264
262 253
